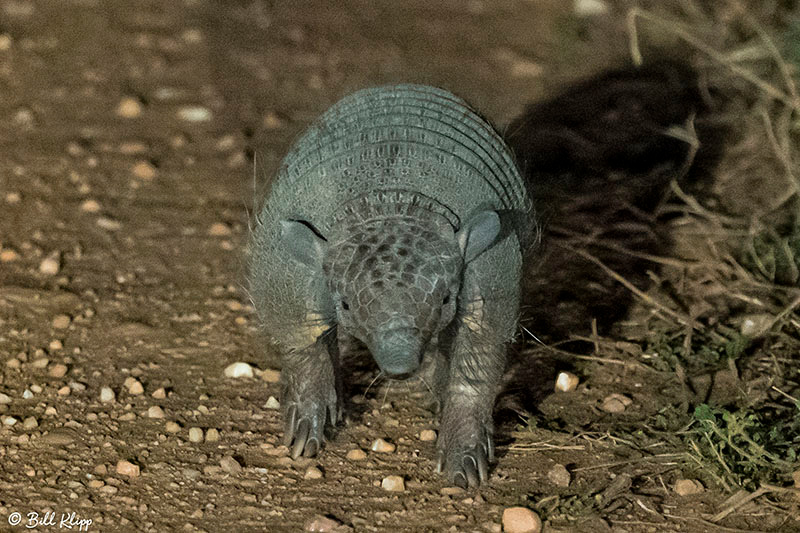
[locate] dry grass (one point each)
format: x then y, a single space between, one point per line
732 273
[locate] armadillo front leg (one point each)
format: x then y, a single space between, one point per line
309 394
477 361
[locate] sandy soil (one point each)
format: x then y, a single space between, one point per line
128 136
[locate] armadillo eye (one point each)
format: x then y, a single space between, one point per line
446 299
345 306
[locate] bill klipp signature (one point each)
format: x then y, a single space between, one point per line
34 520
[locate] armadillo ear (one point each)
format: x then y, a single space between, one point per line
478 234
303 243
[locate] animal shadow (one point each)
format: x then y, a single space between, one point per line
599 158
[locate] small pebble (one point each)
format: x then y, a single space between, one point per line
27 394
129 107
159 394
134 386
8 256
172 427
272 403
559 476
755 326
95 483
108 224
55 345
312 472
589 8
239 370
30 423
195 434
61 321
155 412
615 403
271 376
381 446
219 229
686 487
40 363
4 398
356 454
212 435
195 114
126 468
51 264
272 121
393 484
107 395
190 473
521 520
5 42
321 524
9 420
144 170
427 435
109 490
90 206
566 382
230 465
58 370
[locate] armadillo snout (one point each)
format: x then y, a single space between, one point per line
397 351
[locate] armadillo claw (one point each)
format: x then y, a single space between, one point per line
466 467
304 425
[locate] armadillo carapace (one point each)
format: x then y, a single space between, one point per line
400 219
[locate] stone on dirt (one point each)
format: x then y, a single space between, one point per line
521 520
393 484
126 468
239 370
381 446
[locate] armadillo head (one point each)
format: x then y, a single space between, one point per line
395 280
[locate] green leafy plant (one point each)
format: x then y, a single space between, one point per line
745 447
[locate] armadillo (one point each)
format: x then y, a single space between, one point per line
398 219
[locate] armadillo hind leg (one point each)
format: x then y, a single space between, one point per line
311 388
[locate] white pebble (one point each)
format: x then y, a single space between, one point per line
9 420
381 446
108 224
588 8
566 382
239 370
51 264
312 472
4 398
195 114
195 434
155 412
212 435
272 403
427 435
30 423
107 395
27 394
393 484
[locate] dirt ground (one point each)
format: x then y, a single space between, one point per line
135 138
